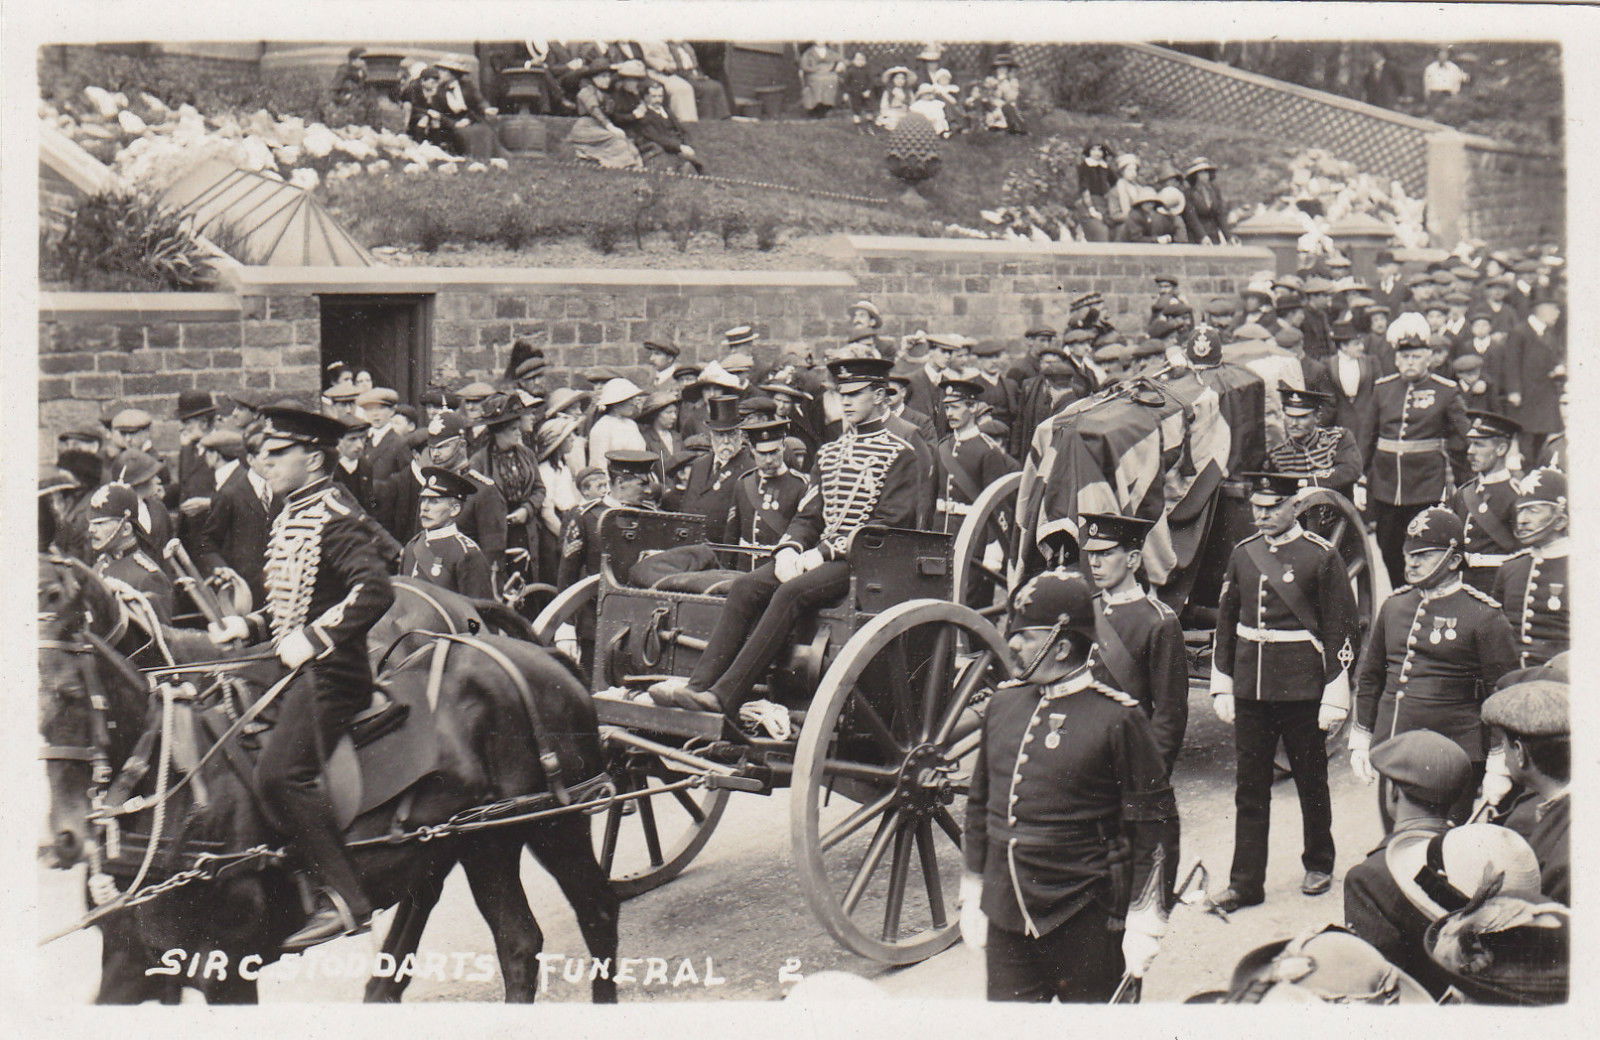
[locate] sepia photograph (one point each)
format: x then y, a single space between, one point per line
1033 515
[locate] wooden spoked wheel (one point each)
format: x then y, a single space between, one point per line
985 543
645 842
568 608
1335 518
881 772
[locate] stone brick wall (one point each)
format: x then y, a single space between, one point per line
1513 196
102 351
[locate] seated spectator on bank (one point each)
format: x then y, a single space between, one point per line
859 89
660 137
1126 187
471 119
894 104
595 137
1205 212
945 88
425 111
1146 220
350 81
1008 94
551 60
664 67
1095 181
820 67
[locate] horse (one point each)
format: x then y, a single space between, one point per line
94 706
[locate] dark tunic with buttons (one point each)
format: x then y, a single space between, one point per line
449 559
145 576
1488 508
1422 428
1330 458
1532 588
1263 643
1430 662
1140 644
763 506
1067 787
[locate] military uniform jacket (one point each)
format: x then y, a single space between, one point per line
1487 505
325 575
1421 427
970 462
144 575
580 541
1331 458
763 506
449 559
1554 452
1286 619
1068 786
710 489
867 476
1140 645
1429 662
1532 588
483 517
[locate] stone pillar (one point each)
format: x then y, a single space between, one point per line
1447 187
1359 237
1274 232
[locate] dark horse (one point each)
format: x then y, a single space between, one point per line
487 752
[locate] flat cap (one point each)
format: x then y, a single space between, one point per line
1531 709
475 391
377 396
227 443
131 419
1428 764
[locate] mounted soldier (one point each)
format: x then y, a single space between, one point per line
116 540
326 586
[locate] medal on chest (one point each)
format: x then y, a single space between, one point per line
1554 602
1288 573
1444 628
1422 399
1052 739
437 568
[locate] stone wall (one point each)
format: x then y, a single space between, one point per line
102 351
1513 195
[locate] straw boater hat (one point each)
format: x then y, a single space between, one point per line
888 74
1199 165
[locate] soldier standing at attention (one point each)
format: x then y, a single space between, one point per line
114 539
1487 504
1436 650
768 496
1421 421
326 586
1072 827
1138 637
483 515
970 460
441 554
1286 625
1532 584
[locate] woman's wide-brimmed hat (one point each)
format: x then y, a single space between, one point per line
1200 164
888 74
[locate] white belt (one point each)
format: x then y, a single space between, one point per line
1486 559
952 507
1417 447
1278 635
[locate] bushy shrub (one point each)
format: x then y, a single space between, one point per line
1084 80
122 242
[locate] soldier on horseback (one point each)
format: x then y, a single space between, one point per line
326 586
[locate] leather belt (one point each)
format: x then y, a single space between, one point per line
1278 635
1396 447
1487 559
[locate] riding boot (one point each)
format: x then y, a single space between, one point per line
320 848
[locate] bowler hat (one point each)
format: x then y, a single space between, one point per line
193 404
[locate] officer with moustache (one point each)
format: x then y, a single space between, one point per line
1487 504
712 477
1138 637
970 460
1072 828
440 553
1436 650
1286 628
1327 456
1532 585
114 536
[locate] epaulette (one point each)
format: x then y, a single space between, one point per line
466 542
1479 594
592 503
1317 539
1515 555
1403 588
1247 538
1011 684
1162 610
144 561
1384 379
1442 381
1113 694
480 478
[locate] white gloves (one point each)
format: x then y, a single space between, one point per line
1222 704
1496 778
810 560
567 642
233 629
1329 716
974 922
1141 941
1360 759
786 564
296 649
994 558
